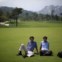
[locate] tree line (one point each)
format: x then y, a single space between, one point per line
16 13
41 17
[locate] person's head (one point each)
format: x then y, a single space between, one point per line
45 38
31 38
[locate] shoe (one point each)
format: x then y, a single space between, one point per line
24 56
20 53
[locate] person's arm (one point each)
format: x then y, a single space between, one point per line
27 44
36 48
40 47
48 46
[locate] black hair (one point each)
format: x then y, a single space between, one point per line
45 37
31 37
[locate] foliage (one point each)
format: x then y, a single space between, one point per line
15 14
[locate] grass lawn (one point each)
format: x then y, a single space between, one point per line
11 38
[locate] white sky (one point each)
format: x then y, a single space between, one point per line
31 5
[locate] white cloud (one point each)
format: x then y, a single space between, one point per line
1 0
34 5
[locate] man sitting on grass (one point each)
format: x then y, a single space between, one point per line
44 47
29 49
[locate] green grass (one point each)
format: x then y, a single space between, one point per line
11 38
38 24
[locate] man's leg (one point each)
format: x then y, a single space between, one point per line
42 53
19 53
51 53
22 47
45 53
48 53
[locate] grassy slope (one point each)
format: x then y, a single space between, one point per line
11 38
39 24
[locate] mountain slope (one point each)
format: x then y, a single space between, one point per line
48 9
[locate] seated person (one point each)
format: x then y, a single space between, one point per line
29 49
59 54
44 47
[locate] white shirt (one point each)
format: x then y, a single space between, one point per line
44 45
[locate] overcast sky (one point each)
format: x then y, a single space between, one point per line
31 5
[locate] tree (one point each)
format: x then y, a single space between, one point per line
61 16
56 17
35 16
15 14
52 14
1 13
3 17
47 16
